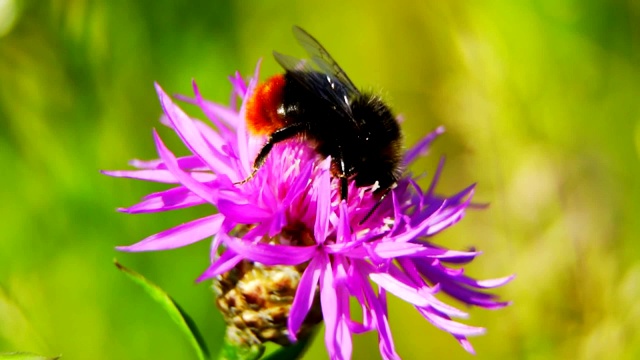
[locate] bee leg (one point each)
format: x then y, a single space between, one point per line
344 185
253 172
373 209
277 136
344 188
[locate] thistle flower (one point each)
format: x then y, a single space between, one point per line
290 216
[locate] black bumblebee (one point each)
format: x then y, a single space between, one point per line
358 130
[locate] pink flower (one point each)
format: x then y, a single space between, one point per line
295 187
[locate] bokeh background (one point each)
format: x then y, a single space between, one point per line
540 99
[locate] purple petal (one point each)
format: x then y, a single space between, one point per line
163 176
179 236
359 286
378 310
400 289
145 164
344 226
460 196
225 163
239 86
416 231
458 258
243 212
188 131
422 146
454 286
390 250
482 284
452 327
343 337
324 206
335 304
387 250
190 162
172 199
213 139
343 328
185 178
215 244
439 220
304 296
447 218
492 283
466 344
353 248
436 177
243 139
397 212
228 115
270 254
410 272
227 261
298 186
212 115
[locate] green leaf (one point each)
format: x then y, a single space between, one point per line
291 352
179 316
238 350
16 324
25 356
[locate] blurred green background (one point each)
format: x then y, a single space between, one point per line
541 104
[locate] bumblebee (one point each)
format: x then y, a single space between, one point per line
315 98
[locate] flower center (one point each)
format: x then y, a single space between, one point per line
255 299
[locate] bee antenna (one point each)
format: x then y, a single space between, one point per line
373 209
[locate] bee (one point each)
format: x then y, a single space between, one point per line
315 99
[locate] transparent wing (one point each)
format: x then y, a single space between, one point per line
326 79
292 63
333 92
323 59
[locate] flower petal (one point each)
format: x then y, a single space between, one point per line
185 179
172 199
378 312
270 254
455 286
299 184
492 283
212 115
227 261
340 285
436 177
163 176
422 146
187 130
452 327
323 194
190 162
400 289
344 227
331 312
305 295
179 236
392 249
243 211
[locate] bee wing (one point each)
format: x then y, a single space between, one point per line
292 63
325 85
322 59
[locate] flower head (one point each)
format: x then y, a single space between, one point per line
291 214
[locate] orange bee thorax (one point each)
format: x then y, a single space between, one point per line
262 108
